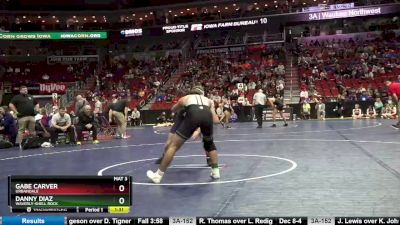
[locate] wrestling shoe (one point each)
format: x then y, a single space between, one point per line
154 177
396 126
215 173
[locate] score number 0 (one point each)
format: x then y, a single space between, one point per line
121 200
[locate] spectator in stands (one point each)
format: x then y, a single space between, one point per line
141 93
303 95
340 105
98 110
161 97
70 69
62 123
24 106
251 85
228 112
74 117
45 77
86 122
42 123
357 112
156 83
98 106
135 117
8 125
89 96
371 113
320 108
220 111
389 112
119 113
306 110
54 110
162 118
378 105
80 104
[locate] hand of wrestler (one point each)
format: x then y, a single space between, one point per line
196 135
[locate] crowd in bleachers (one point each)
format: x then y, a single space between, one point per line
136 79
43 48
121 84
351 68
234 77
22 73
334 70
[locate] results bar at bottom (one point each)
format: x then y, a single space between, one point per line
62 220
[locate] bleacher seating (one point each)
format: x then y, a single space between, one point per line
349 66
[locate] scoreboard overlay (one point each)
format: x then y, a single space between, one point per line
69 194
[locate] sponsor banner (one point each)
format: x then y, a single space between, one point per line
321 12
227 24
331 12
221 50
322 7
132 32
70 59
216 25
51 88
196 27
175 28
52 35
342 6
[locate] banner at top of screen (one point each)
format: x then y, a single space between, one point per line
52 35
345 13
322 7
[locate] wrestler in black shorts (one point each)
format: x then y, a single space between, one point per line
184 127
178 119
278 105
196 116
199 114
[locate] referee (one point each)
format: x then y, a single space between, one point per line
259 100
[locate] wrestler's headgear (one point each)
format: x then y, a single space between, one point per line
197 90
